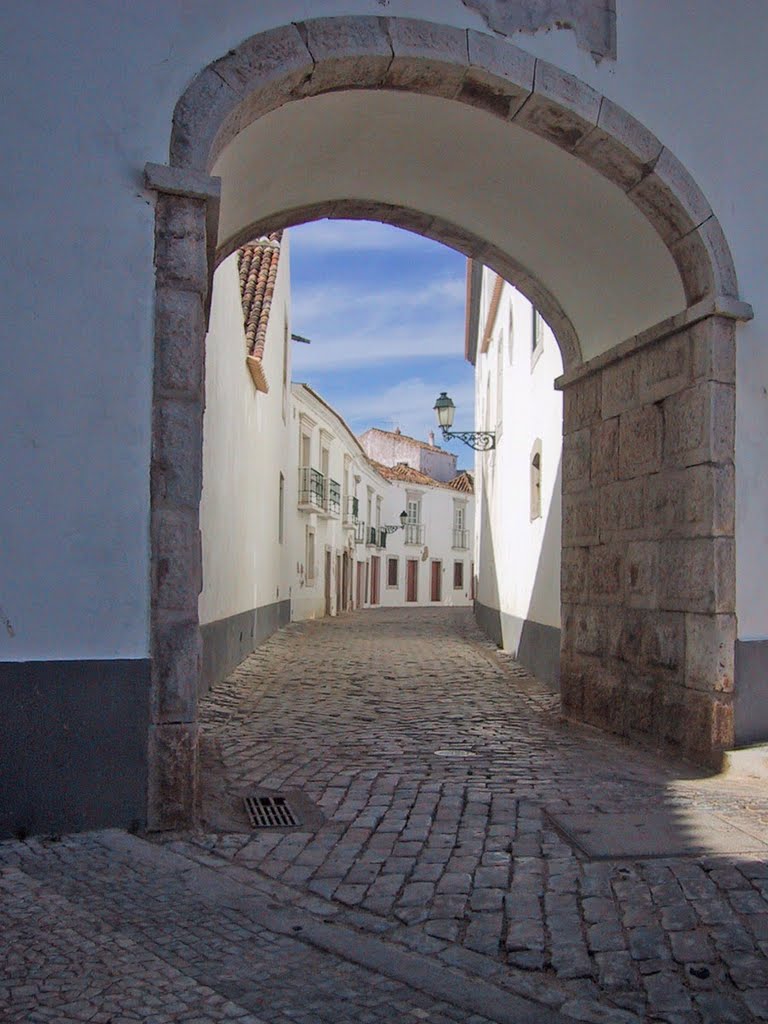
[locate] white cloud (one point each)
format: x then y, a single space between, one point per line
355 235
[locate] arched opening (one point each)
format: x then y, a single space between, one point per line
506 158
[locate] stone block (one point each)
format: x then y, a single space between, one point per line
562 109
606 573
670 198
604 704
176 663
427 57
641 572
710 647
173 776
177 451
455 237
207 104
619 147
640 441
704 261
179 341
697 575
350 52
696 501
181 244
589 630
580 519
630 636
177 559
699 424
662 642
622 509
574 670
620 386
713 350
664 369
698 724
500 75
641 697
604 451
574 567
576 460
581 403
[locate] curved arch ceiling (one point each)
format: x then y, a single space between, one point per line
572 229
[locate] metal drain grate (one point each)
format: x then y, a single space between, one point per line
269 812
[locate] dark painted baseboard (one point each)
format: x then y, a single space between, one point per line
751 692
73 745
536 646
228 642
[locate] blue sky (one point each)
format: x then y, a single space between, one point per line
385 312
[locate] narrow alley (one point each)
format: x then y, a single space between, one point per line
461 854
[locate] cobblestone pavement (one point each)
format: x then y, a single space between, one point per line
427 881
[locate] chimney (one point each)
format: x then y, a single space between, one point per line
431 438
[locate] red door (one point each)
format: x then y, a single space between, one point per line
375 563
411 580
437 581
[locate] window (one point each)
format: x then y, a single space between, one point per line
537 336
414 511
458 575
511 332
499 385
281 510
378 513
393 569
459 511
309 557
305 451
536 480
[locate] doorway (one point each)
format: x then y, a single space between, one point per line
375 581
436 589
412 580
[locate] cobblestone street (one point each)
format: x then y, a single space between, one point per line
427 879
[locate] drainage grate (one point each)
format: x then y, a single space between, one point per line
269 812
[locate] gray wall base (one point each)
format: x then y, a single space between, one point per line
750 718
228 642
535 646
73 745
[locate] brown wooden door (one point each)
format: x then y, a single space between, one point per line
345 582
437 581
339 606
328 564
360 584
375 565
412 580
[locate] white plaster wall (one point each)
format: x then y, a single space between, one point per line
518 558
89 91
246 447
437 505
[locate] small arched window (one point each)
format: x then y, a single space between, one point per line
536 480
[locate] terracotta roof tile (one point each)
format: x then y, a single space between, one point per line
408 475
257 264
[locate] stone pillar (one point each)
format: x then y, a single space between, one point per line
186 216
648 585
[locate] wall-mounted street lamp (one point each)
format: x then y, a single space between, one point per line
480 440
403 521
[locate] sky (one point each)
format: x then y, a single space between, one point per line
384 310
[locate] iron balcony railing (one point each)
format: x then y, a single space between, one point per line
414 533
461 538
333 497
311 488
351 509
360 534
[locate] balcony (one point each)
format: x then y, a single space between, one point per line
360 534
461 539
414 533
333 497
373 537
351 509
311 490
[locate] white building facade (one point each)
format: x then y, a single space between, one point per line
351 547
518 483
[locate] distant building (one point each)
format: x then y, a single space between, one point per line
391 446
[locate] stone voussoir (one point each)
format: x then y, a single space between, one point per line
561 108
500 75
619 147
670 198
351 52
427 57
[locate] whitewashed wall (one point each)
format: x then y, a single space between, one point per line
89 91
518 557
245 450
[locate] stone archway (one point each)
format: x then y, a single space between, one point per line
659 403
